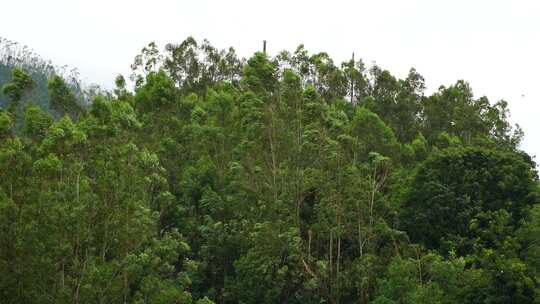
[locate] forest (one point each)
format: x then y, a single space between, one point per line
209 178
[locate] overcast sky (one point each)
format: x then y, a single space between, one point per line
495 44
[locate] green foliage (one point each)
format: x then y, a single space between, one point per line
260 75
458 196
20 84
372 134
157 92
220 180
36 122
32 83
5 124
63 101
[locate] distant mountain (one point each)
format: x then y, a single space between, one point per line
13 54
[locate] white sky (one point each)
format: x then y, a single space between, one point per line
493 44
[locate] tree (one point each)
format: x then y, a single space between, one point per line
63 101
288 179
36 122
20 85
458 192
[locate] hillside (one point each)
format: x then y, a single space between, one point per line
14 55
276 179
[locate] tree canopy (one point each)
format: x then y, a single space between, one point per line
286 179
